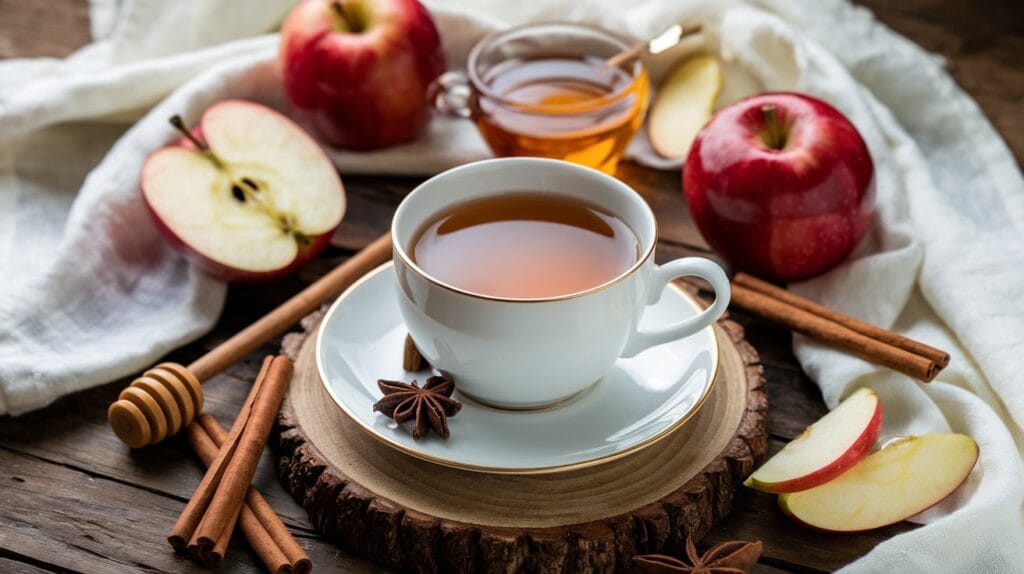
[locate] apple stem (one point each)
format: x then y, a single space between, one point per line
773 137
351 21
179 125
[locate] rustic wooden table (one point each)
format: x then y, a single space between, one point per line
73 499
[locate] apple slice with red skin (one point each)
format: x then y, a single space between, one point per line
247 195
826 449
906 477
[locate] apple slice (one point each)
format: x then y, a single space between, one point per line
826 449
904 478
247 195
684 104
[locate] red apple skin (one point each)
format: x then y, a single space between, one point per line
857 451
361 90
783 214
305 254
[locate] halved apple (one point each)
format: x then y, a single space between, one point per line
684 104
248 195
906 477
826 449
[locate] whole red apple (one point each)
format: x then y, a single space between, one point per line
781 185
357 71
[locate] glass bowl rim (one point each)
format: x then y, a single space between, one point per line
622 42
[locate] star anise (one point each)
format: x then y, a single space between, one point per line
733 557
428 407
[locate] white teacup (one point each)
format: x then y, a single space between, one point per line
526 354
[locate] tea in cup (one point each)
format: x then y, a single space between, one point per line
525 245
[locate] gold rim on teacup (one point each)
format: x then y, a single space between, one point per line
400 250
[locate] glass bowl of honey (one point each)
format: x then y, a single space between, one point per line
545 90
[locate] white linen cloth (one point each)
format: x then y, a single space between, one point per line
91 293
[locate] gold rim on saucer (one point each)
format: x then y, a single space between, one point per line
557 403
505 470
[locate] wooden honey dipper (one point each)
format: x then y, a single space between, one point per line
167 397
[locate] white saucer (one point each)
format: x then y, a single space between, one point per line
640 401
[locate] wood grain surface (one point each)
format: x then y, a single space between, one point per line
72 499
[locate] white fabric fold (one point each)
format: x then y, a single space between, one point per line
91 293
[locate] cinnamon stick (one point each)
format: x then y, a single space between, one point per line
938 356
262 510
205 525
267 535
412 360
836 333
192 515
210 539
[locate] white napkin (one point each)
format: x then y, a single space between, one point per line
91 293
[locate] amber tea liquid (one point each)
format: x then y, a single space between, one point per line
569 108
525 245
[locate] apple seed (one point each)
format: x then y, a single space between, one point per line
252 184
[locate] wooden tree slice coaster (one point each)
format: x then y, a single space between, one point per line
419 516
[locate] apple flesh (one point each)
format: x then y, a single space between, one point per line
781 185
245 196
684 104
357 71
906 477
826 449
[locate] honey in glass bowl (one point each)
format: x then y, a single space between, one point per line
570 108
544 90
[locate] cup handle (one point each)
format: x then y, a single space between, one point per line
693 267
449 93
